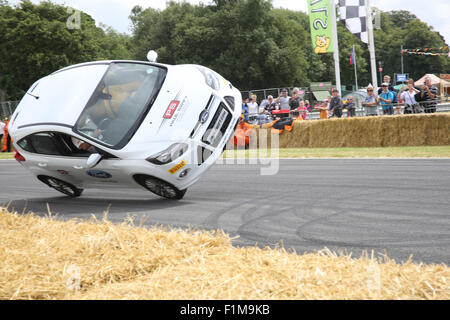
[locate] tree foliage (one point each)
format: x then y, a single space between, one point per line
248 41
36 41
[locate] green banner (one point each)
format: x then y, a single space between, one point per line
321 25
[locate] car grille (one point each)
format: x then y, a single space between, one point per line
218 126
230 101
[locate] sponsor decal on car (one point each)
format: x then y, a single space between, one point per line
171 109
178 167
99 174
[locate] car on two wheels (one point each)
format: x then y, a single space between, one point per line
125 124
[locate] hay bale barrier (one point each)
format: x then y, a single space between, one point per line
46 258
382 131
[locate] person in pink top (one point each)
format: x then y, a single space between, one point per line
302 110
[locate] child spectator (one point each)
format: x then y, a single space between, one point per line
351 108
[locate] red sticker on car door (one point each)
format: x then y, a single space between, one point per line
171 109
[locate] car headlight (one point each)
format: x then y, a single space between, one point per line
170 154
211 78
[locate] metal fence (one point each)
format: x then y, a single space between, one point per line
7 108
262 94
442 106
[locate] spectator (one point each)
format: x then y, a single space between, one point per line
428 95
407 94
294 102
336 104
351 108
245 109
322 107
302 110
370 102
308 106
283 100
386 79
386 97
271 104
253 106
242 134
2 126
6 147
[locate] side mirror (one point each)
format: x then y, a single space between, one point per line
93 160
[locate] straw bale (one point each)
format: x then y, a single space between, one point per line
386 131
42 258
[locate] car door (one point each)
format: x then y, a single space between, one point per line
56 155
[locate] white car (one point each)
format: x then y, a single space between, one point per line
122 124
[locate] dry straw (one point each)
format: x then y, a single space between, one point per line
45 258
386 131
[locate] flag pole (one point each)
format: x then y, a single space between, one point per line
373 62
337 68
356 70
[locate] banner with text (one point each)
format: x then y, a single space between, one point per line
321 25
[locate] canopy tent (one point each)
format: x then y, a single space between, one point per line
321 90
435 81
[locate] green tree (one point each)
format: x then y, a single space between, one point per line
36 40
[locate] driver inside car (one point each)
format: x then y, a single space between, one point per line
82 145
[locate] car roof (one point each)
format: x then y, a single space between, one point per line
49 102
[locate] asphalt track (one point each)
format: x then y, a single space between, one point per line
398 207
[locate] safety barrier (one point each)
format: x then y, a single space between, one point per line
7 108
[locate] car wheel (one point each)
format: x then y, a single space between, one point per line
61 186
160 187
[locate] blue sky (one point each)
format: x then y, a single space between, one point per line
115 12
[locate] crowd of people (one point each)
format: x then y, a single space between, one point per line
413 100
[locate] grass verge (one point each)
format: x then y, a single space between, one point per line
385 152
46 258
6 155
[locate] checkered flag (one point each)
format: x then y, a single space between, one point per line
353 15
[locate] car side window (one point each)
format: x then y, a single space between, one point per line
44 143
59 144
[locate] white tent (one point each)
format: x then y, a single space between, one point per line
434 81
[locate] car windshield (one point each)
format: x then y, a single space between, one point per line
120 102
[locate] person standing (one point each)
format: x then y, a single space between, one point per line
370 102
407 94
336 104
283 100
6 137
386 97
428 95
2 126
245 109
387 79
351 108
294 102
302 110
253 106
323 107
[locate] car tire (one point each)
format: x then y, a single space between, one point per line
160 187
61 186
